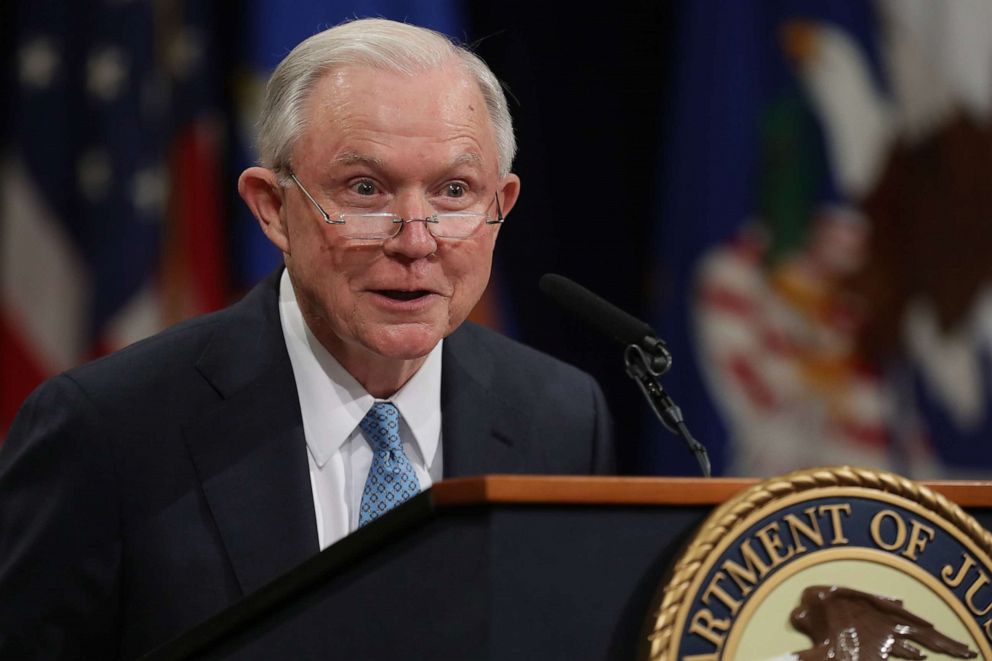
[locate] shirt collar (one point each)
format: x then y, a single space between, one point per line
332 402
419 403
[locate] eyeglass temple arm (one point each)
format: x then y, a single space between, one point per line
499 212
327 218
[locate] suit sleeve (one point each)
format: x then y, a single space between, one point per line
59 530
604 457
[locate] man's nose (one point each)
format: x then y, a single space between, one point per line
414 239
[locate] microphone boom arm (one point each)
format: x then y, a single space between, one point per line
645 369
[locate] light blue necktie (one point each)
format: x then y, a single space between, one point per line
391 478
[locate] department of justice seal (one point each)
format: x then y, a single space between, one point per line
843 564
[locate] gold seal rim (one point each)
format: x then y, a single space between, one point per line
731 516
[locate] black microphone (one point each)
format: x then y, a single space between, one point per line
646 357
595 311
606 318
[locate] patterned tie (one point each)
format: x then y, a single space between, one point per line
391 478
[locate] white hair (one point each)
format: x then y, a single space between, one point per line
377 43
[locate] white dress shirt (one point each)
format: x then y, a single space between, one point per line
332 403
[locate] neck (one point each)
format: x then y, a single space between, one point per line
381 377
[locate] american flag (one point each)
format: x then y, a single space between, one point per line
110 212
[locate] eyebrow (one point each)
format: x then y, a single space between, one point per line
469 158
354 158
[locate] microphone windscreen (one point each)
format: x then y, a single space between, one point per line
595 311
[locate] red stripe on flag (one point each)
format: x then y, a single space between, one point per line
21 369
874 436
195 271
757 391
728 301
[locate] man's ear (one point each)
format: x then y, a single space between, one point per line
260 189
509 192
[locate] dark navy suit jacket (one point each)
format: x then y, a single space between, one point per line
146 491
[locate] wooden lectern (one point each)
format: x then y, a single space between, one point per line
496 567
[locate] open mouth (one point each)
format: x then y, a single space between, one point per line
398 295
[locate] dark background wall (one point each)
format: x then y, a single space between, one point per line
588 95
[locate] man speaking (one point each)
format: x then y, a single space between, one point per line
149 490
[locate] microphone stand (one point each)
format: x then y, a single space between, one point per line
645 370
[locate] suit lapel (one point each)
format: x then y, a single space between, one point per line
479 431
249 451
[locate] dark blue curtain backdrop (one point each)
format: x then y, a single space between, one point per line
590 94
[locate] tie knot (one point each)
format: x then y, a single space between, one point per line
381 426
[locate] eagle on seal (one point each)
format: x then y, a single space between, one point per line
849 625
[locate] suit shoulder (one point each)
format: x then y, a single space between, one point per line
179 343
176 350
507 352
556 409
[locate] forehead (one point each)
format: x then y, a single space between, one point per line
360 110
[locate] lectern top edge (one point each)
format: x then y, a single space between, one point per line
573 490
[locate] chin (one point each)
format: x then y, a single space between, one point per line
406 342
